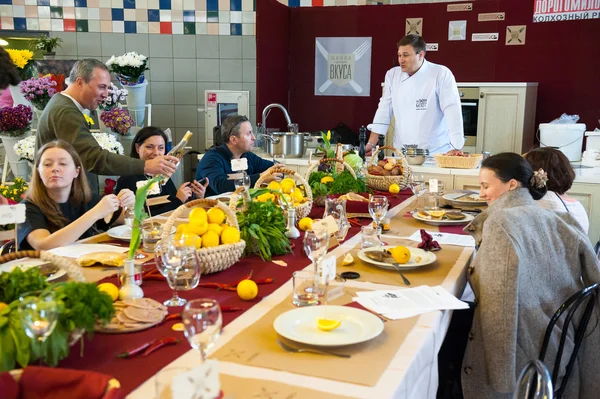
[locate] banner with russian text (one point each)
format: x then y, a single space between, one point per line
565 10
343 66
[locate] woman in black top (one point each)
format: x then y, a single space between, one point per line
60 208
149 143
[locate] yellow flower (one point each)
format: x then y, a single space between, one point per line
89 120
20 57
329 135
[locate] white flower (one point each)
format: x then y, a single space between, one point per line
109 142
25 148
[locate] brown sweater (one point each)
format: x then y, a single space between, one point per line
62 119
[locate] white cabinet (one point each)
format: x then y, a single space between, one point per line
589 196
506 118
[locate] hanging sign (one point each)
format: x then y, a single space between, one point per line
343 66
484 37
565 10
459 7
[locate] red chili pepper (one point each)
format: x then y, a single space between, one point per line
231 308
173 316
218 286
136 351
245 278
267 280
160 344
154 277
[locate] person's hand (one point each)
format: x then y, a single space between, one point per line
3 201
107 206
199 189
126 198
369 148
184 192
164 165
273 177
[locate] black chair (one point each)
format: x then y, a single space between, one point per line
571 305
526 389
8 247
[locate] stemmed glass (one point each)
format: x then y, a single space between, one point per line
417 186
378 207
202 322
242 181
39 316
178 261
128 216
316 244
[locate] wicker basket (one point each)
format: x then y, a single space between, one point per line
301 210
447 161
383 183
213 259
68 265
320 201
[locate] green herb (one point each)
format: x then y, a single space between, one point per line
345 183
263 227
139 216
18 282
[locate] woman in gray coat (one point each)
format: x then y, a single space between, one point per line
529 261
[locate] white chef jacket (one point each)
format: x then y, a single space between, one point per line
426 106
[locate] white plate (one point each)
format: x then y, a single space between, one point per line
124 233
455 198
427 258
76 250
443 222
28 263
300 325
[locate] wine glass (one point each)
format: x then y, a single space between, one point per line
202 322
128 216
378 207
417 186
242 181
39 316
178 261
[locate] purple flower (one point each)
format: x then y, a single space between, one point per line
38 90
117 120
14 121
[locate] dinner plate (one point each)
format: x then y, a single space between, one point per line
445 222
124 233
458 198
418 258
299 325
28 263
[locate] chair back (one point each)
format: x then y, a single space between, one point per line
570 307
597 249
526 389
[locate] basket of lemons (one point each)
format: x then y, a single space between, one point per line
294 189
215 231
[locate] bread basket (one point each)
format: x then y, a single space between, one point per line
320 201
458 162
383 183
213 259
302 210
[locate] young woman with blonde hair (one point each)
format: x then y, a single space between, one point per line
60 208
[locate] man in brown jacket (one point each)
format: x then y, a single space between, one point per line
63 119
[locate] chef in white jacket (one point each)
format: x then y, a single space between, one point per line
424 99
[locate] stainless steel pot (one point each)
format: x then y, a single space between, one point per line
288 144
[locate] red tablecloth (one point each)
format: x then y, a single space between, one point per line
100 352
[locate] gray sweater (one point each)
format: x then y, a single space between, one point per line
529 261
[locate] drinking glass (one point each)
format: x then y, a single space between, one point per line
39 316
151 232
378 207
202 322
336 208
242 181
370 237
305 292
178 261
417 186
316 243
128 216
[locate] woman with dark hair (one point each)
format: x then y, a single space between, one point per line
560 179
150 142
529 261
60 208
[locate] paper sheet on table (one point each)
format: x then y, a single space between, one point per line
409 302
446 238
77 250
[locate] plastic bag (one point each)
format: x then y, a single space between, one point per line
564 118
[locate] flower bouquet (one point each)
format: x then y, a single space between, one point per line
15 121
109 142
115 95
14 191
23 59
25 148
39 90
129 68
118 120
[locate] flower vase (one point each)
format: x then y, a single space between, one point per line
136 101
19 167
18 97
102 127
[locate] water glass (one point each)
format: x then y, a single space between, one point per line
370 237
128 216
378 207
178 261
430 202
202 322
417 186
305 292
242 180
151 233
164 379
316 243
39 316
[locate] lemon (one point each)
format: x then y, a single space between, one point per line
215 215
327 179
328 324
199 229
247 290
110 289
287 185
210 239
401 254
437 214
296 204
178 327
348 260
394 188
274 186
215 227
198 215
298 197
265 197
230 235
182 228
305 224
188 239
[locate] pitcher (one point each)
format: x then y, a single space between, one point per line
336 207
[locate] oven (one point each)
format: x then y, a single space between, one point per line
469 101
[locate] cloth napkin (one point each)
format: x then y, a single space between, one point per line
55 383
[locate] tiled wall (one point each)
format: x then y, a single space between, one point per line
325 3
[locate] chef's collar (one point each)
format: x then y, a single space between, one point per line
421 67
75 101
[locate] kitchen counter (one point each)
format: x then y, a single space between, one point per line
496 84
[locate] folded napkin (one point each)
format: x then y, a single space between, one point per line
54 383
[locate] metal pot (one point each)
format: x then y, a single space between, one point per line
288 144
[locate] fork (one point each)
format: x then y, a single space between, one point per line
361 50
288 348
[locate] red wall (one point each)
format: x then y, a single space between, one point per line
563 57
